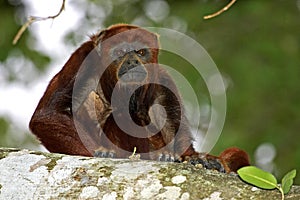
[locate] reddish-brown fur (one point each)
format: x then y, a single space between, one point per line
65 130
230 156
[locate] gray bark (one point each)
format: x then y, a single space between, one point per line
26 174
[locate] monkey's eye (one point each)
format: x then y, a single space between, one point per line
141 52
118 52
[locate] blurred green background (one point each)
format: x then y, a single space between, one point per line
255 44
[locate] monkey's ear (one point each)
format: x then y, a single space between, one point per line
98 37
101 33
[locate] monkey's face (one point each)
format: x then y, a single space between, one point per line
129 60
127 51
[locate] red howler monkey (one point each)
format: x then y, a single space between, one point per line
112 96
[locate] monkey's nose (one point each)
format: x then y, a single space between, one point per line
132 62
129 64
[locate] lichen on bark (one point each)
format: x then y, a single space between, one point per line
37 175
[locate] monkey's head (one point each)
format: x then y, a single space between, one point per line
127 52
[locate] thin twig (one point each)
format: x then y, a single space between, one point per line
32 19
134 156
220 11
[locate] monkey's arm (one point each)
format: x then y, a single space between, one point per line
176 125
52 121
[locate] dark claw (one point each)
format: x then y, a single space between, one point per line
166 158
100 154
208 165
214 164
97 154
104 154
111 155
197 162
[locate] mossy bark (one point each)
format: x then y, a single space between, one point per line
27 174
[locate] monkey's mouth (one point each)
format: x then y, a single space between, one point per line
136 74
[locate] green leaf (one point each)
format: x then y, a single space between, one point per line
257 177
287 181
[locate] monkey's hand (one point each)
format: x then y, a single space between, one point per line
143 116
87 117
89 107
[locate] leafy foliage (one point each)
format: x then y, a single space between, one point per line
266 180
258 177
8 22
288 180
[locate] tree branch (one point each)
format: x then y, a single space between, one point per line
27 174
220 11
33 19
